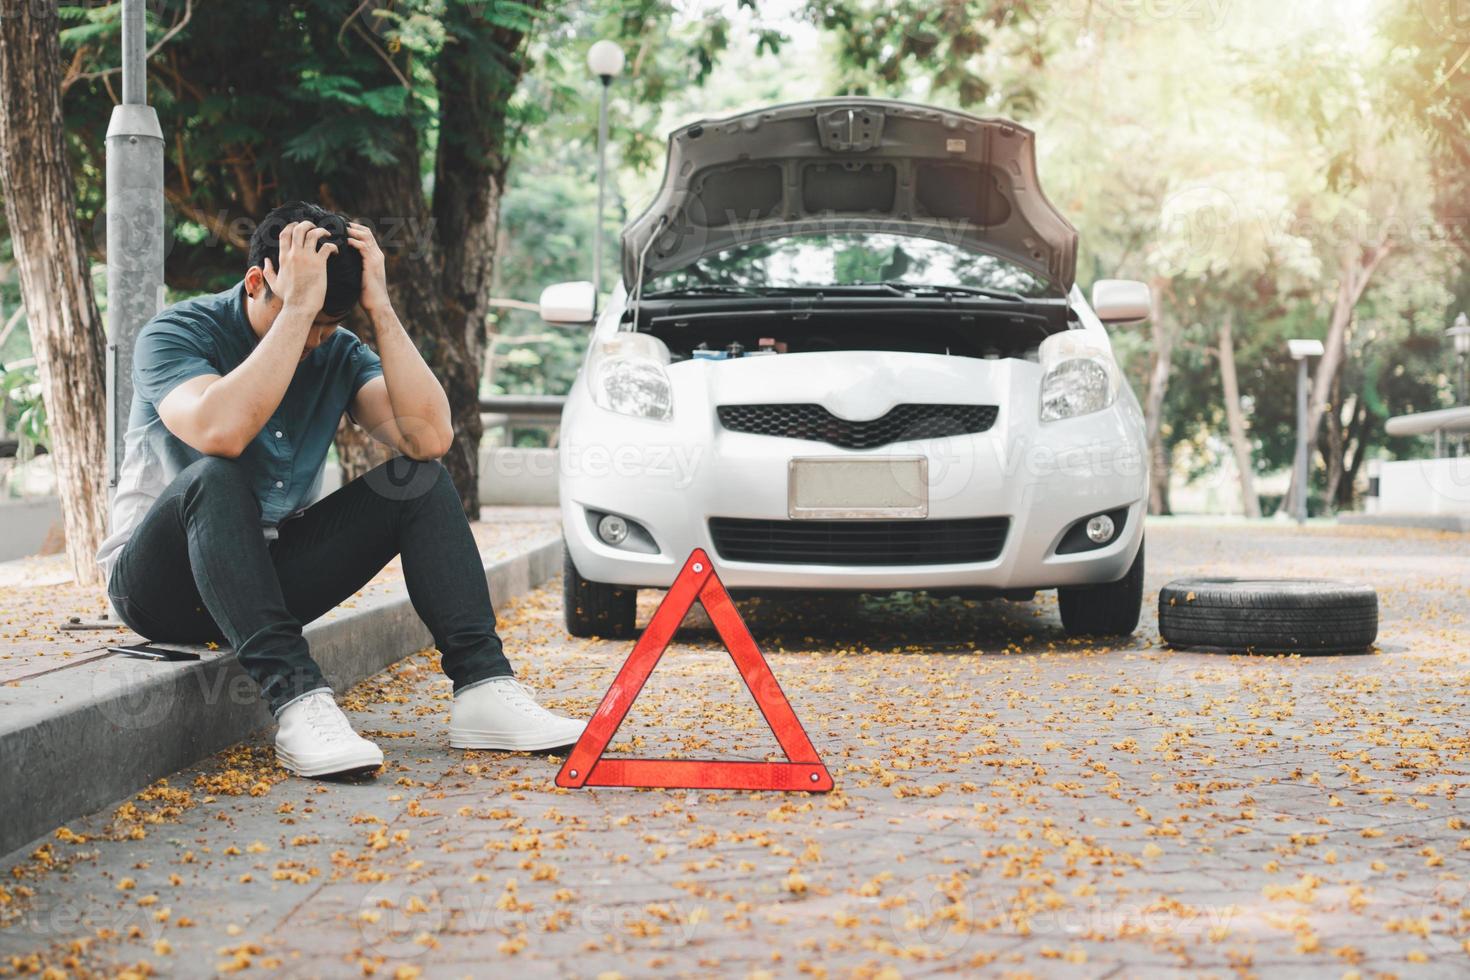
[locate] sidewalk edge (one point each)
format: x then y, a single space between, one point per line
76 741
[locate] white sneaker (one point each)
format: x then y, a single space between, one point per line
501 713
315 739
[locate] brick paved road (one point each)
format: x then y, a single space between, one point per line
1007 800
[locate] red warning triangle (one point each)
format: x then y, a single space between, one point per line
586 766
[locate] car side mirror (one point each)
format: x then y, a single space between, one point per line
1122 300
569 302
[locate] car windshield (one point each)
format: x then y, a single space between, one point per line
851 259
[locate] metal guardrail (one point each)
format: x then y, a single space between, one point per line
1428 423
536 405
1446 421
10 449
540 413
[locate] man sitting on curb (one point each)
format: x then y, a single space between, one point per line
236 398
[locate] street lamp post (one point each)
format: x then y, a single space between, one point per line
1301 352
606 60
134 226
1459 335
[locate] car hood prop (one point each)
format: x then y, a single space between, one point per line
831 166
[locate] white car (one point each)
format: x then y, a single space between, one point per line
848 353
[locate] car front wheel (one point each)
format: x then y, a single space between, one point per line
1104 610
596 608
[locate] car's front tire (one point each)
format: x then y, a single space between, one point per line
596 608
1104 610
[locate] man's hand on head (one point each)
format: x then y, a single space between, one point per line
301 280
406 408
374 277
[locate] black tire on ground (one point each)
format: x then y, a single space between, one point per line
1104 610
596 608
1269 615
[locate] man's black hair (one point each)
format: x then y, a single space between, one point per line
344 270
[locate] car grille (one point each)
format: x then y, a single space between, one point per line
915 542
903 422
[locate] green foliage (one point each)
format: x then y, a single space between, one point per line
883 47
547 222
264 102
548 211
857 263
23 410
669 57
1428 88
538 363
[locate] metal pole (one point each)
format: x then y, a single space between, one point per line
135 242
1463 441
1299 478
601 189
134 53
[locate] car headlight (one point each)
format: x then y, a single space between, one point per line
626 375
1075 387
1079 375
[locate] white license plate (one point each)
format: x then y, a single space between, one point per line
834 488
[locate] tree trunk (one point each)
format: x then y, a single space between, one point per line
1358 436
477 77
1161 461
1235 419
487 372
357 452
1355 272
55 278
390 200
439 259
1153 407
1332 455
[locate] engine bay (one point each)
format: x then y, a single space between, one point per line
986 334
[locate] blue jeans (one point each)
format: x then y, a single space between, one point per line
198 568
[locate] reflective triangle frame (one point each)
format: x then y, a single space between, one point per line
802 772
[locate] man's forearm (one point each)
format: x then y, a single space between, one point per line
238 405
420 406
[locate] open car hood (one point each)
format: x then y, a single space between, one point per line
852 165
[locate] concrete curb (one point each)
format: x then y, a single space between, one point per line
1423 522
77 740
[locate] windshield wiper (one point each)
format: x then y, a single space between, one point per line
951 290
720 289
711 289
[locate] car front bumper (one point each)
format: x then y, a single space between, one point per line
672 480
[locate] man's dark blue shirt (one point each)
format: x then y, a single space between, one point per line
211 335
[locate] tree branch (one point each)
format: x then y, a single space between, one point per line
74 69
402 79
215 223
348 22
182 22
1452 72
513 304
20 311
